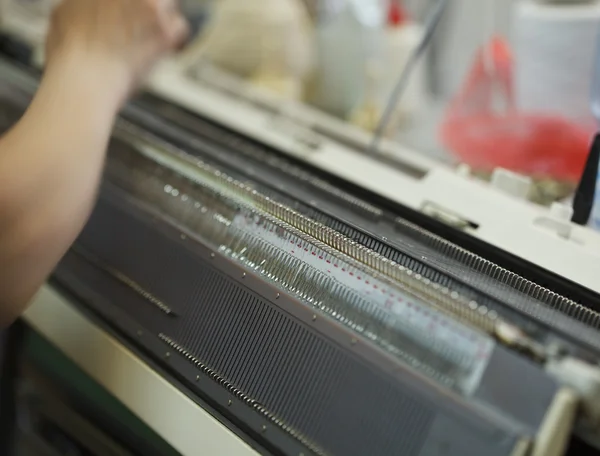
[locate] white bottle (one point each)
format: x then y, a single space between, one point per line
349 34
402 38
367 114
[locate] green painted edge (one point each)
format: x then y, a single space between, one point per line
50 360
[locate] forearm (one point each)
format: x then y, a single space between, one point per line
50 166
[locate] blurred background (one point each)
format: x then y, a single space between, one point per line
502 83
481 85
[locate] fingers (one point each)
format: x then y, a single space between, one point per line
175 26
180 31
167 6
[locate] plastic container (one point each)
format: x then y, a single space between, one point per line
530 143
349 34
402 36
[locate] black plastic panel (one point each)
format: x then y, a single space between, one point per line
312 385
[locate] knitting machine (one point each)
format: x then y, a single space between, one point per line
312 316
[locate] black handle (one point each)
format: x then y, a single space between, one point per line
584 196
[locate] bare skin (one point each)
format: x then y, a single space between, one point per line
51 161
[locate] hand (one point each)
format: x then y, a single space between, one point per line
116 41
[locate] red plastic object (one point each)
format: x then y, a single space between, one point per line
397 15
534 144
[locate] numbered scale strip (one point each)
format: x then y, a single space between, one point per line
550 317
433 329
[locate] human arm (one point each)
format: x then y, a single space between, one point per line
50 164
51 161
